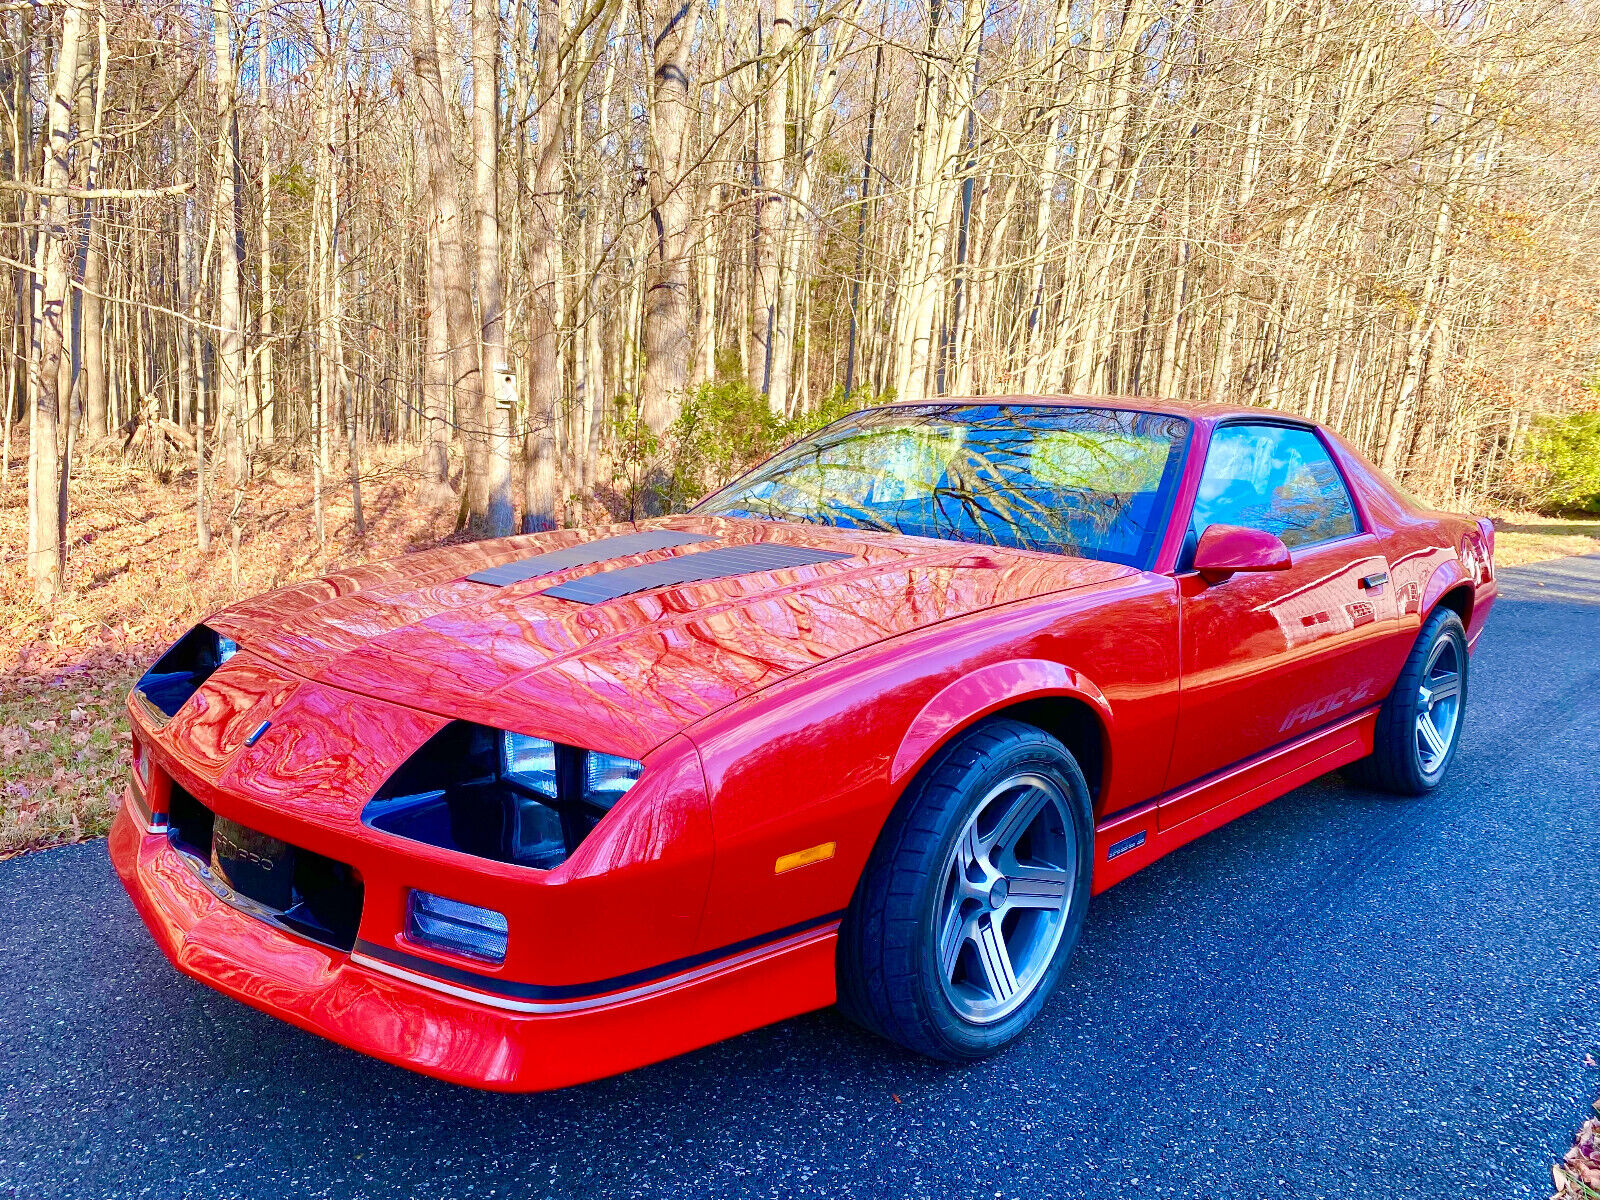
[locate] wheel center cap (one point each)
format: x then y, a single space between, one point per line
999 891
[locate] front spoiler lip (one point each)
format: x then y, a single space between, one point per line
532 997
455 1034
374 958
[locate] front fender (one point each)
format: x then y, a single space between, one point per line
987 690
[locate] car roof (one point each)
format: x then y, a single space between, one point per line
1208 414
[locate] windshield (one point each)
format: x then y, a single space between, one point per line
1090 482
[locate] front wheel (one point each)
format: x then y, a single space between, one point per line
974 895
1419 725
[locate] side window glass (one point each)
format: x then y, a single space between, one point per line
1276 478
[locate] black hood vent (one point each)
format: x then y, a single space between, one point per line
720 563
584 554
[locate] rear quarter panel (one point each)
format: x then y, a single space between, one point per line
1430 553
824 757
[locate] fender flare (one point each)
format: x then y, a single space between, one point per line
988 689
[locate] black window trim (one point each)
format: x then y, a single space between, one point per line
1186 554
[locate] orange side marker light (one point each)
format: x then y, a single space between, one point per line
804 858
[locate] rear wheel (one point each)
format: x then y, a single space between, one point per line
974 896
1419 725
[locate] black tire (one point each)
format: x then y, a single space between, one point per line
888 956
1399 761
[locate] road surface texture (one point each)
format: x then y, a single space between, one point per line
1342 994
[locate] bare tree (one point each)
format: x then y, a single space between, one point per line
666 280
46 523
496 398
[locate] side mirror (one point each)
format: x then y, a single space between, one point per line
1224 549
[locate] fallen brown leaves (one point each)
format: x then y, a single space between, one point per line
135 581
1578 1175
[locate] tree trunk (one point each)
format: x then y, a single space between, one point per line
269 415
540 484
435 375
772 210
667 267
456 300
935 212
230 349
497 515
92 315
46 546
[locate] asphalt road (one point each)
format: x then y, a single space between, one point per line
1342 994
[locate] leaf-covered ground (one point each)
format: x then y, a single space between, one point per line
136 580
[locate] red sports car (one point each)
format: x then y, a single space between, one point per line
870 724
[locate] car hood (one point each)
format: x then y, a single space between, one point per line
625 674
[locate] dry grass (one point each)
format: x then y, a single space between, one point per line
1522 538
136 580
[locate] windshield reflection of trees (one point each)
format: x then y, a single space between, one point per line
1077 481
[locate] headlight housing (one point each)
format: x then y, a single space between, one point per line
186 665
607 777
502 796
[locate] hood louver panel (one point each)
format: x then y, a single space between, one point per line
583 555
689 568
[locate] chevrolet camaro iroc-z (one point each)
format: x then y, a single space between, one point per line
870 725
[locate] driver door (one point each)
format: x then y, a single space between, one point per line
1270 656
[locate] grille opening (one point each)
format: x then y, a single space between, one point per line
296 889
328 898
189 823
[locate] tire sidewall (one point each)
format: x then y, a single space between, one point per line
1045 756
1443 624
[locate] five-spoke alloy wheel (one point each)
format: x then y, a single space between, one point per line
974 896
1008 884
1439 704
1419 725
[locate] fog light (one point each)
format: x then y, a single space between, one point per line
455 927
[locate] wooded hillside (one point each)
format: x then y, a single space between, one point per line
533 234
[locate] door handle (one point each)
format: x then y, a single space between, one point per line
1376 580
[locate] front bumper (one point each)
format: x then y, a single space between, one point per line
442 1031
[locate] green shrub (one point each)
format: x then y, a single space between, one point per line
726 428
1567 449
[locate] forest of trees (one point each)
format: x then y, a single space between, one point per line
516 238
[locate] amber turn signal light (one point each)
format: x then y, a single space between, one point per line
804 858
